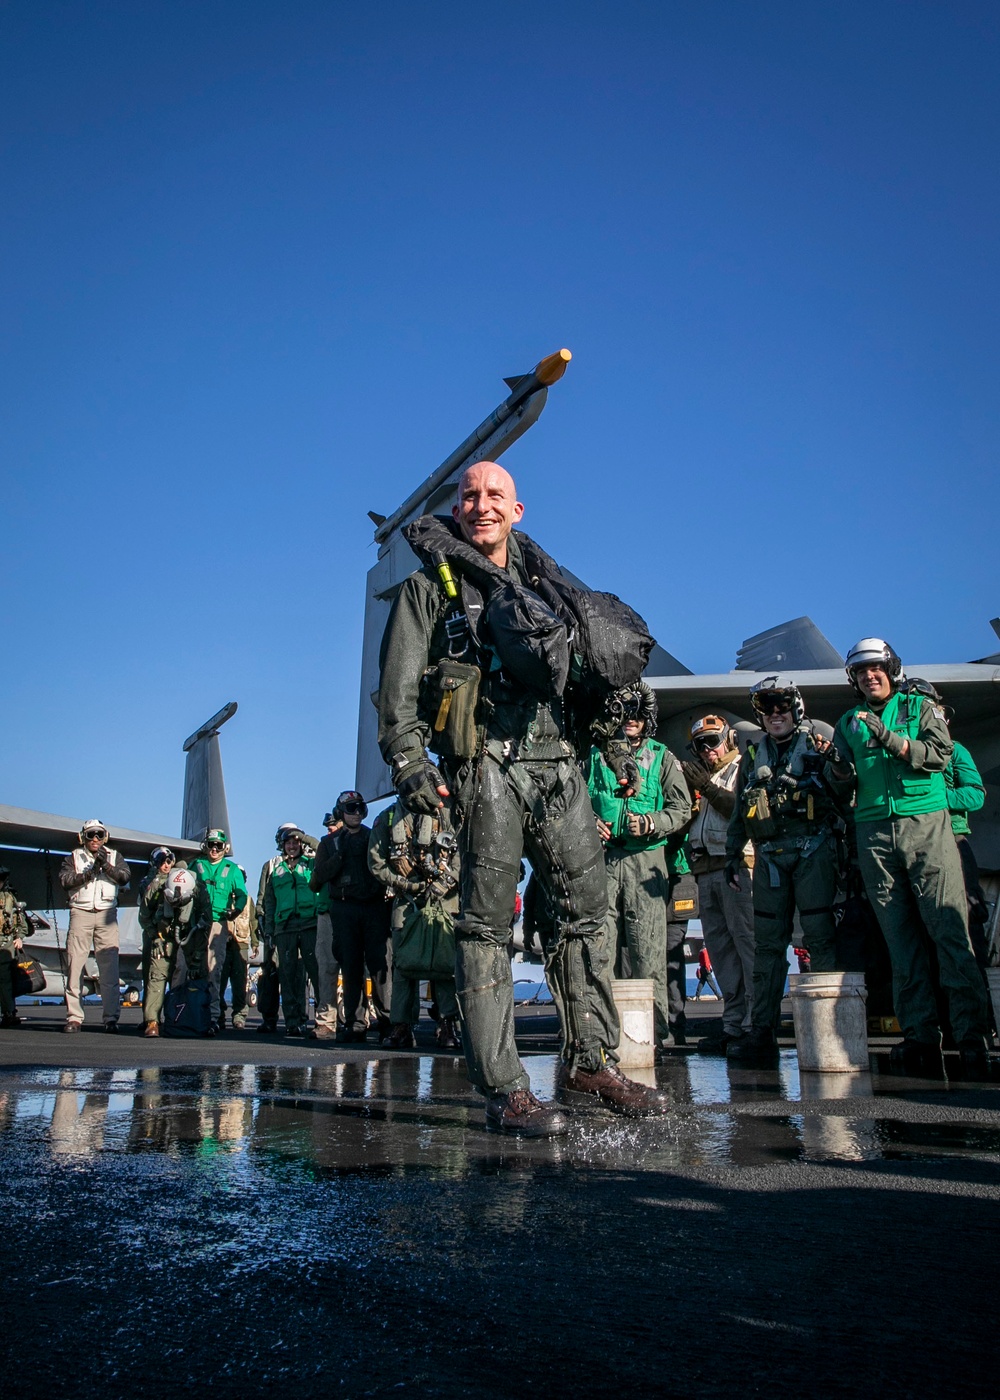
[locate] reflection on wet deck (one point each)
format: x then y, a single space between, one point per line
389 1116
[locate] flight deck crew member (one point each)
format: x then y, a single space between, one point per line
227 890
635 832
161 862
359 915
92 876
329 1002
290 925
416 859
13 932
893 748
240 944
726 913
181 923
502 733
785 806
268 982
966 794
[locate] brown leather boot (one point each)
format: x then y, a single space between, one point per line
152 1028
400 1038
520 1112
610 1088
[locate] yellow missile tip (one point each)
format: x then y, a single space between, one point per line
553 367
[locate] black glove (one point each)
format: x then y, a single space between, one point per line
697 775
416 780
640 824
732 873
100 862
618 757
892 743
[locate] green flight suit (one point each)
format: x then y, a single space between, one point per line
638 867
173 930
911 868
796 865
150 899
290 925
13 926
523 794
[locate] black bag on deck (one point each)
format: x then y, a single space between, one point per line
187 1009
29 977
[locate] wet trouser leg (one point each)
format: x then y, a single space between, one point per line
809 884
544 811
638 897
910 867
327 1011
162 963
97 928
8 1006
376 917
727 923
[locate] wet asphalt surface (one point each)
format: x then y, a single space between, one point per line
257 1217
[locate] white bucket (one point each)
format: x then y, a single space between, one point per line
831 1026
993 978
634 1000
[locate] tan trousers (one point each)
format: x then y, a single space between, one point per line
329 1007
97 929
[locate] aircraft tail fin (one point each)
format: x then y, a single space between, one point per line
798 645
204 787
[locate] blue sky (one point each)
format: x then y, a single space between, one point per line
264 266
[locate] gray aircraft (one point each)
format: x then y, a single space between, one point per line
796 648
33 844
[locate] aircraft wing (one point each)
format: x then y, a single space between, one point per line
32 845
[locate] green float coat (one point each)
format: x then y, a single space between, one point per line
888 787
604 789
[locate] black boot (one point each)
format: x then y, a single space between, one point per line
759 1047
974 1062
917 1059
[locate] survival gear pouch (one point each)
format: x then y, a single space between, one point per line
760 820
425 945
449 696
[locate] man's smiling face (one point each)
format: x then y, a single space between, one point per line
487 509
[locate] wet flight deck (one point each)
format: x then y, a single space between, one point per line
306 1220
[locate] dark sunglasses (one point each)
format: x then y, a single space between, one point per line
774 706
216 845
353 807
708 741
96 833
